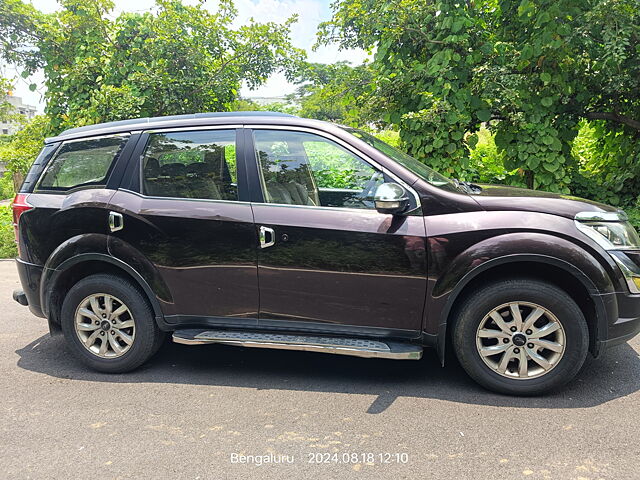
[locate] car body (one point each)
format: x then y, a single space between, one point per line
234 223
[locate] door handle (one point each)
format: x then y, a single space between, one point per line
263 237
115 221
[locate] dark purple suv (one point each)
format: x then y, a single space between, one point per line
268 230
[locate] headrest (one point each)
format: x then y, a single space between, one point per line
152 168
173 170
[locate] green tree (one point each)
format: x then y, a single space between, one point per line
180 59
333 92
531 69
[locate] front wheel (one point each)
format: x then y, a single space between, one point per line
108 324
520 337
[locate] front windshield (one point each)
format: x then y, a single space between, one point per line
418 168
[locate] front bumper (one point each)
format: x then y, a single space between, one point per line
626 323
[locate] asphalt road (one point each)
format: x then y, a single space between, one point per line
193 410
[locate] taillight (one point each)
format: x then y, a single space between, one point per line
19 206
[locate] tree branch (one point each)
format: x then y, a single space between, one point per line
614 117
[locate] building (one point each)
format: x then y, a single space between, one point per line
29 111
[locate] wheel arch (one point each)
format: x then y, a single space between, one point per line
56 283
550 269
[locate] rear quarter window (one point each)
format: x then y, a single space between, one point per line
82 163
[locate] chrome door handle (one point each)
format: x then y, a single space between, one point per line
115 221
263 237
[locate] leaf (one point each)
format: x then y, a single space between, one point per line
551 166
545 77
547 101
33 87
457 25
533 162
527 52
483 115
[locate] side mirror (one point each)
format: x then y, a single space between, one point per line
391 198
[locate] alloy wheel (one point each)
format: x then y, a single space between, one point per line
104 325
520 340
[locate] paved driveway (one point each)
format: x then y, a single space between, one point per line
193 412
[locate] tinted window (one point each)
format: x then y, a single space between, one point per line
198 164
82 163
307 169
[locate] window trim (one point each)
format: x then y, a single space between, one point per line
359 154
124 135
140 149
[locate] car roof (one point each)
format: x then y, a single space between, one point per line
187 120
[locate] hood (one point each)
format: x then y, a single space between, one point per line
501 197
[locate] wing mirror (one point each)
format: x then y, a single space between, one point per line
391 198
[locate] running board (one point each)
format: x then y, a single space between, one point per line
337 345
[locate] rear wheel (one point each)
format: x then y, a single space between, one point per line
521 337
108 324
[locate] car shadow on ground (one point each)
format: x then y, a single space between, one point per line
615 375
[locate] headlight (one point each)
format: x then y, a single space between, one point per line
614 233
610 230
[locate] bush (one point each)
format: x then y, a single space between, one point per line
7 239
6 186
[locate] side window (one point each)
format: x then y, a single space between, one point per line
197 164
82 163
306 169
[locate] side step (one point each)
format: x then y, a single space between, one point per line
337 345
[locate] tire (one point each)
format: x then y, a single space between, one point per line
135 341
474 331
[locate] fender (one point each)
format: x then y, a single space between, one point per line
524 247
94 247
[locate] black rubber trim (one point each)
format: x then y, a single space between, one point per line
601 311
251 162
122 162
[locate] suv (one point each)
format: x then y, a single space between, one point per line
269 230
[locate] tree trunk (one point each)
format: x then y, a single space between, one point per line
18 178
528 178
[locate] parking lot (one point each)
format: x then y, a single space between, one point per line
218 412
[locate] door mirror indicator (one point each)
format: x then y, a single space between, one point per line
391 198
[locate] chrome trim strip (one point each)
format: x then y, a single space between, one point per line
209 200
619 216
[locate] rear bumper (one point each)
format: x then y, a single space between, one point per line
20 297
30 276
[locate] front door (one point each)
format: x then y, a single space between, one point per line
327 257
186 218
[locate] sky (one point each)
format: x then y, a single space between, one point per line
303 35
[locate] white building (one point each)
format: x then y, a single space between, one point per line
29 111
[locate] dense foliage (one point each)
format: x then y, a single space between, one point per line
8 247
180 59
530 69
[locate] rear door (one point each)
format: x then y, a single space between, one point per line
185 216
329 260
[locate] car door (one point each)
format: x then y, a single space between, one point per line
328 259
184 216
